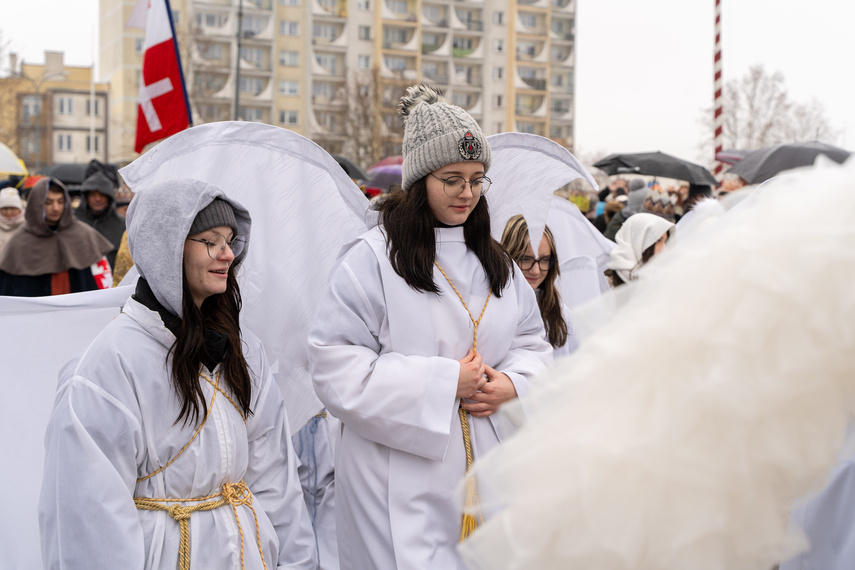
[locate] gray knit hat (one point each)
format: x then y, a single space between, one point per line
437 133
217 213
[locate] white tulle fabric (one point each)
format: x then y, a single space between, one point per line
678 435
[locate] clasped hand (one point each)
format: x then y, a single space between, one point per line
485 387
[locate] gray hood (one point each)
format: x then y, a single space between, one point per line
159 220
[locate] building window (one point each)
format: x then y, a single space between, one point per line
289 58
214 51
498 72
498 127
212 20
398 6
289 2
90 147
89 108
396 63
64 143
364 62
499 46
289 88
251 114
328 62
139 43
528 20
323 92
65 106
432 13
499 18
252 55
289 28
176 17
463 43
252 85
498 101
325 31
31 106
364 5
252 25
288 118
364 32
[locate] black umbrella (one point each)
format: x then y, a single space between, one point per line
761 165
350 167
73 174
656 164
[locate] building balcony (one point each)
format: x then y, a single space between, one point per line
534 26
467 47
467 77
531 51
532 106
534 3
329 9
440 47
564 5
387 12
258 4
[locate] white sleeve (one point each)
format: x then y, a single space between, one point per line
530 353
87 514
272 477
403 402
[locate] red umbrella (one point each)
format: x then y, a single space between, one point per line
388 160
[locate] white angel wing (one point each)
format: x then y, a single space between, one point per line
38 336
303 207
526 171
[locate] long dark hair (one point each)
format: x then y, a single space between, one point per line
409 225
219 313
515 240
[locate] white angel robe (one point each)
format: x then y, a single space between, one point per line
384 361
114 422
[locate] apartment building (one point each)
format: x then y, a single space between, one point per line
53 113
334 70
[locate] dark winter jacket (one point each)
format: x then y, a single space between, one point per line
109 223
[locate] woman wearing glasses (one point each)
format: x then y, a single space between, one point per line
424 331
168 443
541 271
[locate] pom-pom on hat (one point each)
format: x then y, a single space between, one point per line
437 133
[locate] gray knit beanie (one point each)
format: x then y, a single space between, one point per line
437 133
217 213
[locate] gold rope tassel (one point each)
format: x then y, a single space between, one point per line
471 503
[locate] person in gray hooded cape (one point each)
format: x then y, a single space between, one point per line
169 443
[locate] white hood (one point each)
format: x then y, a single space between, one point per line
159 220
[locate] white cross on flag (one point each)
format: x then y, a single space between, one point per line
163 108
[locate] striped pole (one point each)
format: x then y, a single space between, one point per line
717 118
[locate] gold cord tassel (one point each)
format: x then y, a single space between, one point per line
471 502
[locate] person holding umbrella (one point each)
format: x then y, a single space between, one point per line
424 331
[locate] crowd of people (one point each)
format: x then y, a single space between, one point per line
169 441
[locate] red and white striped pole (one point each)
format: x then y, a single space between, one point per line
717 106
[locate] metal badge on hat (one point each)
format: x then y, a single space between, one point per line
469 147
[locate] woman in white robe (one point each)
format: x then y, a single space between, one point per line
392 348
542 272
172 416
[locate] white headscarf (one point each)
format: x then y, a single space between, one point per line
637 233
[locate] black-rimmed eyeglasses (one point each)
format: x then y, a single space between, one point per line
217 243
453 186
544 263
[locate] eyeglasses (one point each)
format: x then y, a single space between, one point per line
453 185
544 263
217 245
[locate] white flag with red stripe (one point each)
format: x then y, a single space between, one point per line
163 108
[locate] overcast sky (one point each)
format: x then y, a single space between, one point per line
644 67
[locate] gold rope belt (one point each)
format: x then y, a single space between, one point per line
234 494
469 523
